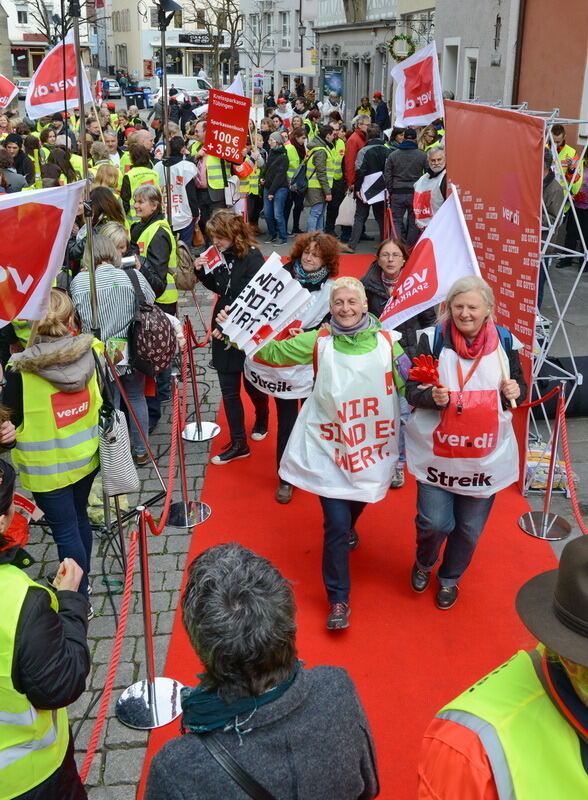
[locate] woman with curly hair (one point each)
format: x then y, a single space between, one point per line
314 263
233 238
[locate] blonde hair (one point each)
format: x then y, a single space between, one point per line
59 314
116 232
106 175
353 284
469 283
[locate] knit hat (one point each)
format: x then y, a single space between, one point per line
276 137
410 133
378 95
13 137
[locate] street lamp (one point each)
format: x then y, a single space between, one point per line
301 32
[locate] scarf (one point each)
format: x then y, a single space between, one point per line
364 324
302 276
563 696
485 341
388 282
204 710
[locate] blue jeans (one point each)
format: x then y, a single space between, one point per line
454 518
316 217
401 205
339 516
134 386
274 212
66 513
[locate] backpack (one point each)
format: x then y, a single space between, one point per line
299 181
152 340
184 275
504 335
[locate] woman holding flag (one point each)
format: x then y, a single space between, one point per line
460 441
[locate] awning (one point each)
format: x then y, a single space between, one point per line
306 72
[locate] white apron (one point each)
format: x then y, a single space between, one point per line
291 382
345 441
473 453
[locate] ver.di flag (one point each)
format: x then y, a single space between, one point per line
52 87
443 254
419 99
8 91
40 223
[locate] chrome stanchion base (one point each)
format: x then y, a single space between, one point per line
137 707
187 515
545 526
208 430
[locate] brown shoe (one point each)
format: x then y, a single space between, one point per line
141 460
344 248
284 493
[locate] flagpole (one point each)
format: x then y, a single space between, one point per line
163 22
75 13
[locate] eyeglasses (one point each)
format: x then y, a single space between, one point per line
391 255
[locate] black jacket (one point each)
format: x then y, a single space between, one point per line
404 166
227 283
377 296
275 172
155 262
370 159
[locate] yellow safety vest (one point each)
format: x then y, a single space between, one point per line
293 159
313 181
170 295
336 154
195 147
22 329
518 725
215 174
312 129
33 742
140 176
57 441
254 181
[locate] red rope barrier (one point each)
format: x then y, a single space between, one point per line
544 399
565 446
156 530
208 332
113 666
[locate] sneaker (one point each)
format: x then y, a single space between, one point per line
259 431
344 247
91 613
141 459
283 241
353 539
397 479
231 452
284 493
446 597
338 618
272 240
419 579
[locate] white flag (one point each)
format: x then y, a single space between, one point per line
55 83
40 223
419 99
443 254
237 86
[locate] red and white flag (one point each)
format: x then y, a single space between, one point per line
31 262
52 87
7 91
419 98
443 254
98 87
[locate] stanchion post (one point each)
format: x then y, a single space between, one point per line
154 702
199 431
544 524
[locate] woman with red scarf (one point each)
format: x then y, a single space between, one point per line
459 439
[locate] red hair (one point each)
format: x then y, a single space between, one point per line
327 246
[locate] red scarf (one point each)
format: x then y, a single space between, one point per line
485 342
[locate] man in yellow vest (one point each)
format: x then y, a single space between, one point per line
44 662
522 731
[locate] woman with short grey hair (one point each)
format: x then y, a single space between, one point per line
280 722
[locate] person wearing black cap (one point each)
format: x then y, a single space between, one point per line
522 731
44 662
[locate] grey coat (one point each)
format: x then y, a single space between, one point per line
313 743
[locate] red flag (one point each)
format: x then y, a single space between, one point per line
50 82
7 91
419 99
30 263
98 88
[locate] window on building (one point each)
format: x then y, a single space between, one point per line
254 27
22 17
472 70
497 30
200 18
221 21
178 22
153 17
115 21
285 28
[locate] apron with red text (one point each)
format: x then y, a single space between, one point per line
291 382
469 447
345 441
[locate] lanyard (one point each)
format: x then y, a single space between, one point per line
462 381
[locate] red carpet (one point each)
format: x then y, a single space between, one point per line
406 657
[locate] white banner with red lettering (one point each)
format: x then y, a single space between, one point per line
443 254
8 91
40 223
54 87
419 97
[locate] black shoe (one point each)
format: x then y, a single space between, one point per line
232 451
259 431
338 618
419 579
353 539
295 232
365 238
446 597
272 240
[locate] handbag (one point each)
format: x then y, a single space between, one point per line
152 340
232 767
346 213
198 237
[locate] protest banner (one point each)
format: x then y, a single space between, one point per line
419 98
227 125
55 82
502 210
269 302
443 254
214 258
8 91
31 262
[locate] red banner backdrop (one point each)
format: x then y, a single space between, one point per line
495 158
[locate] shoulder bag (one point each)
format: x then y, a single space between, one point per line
222 757
152 341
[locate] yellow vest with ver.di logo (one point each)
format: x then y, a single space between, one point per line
170 295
